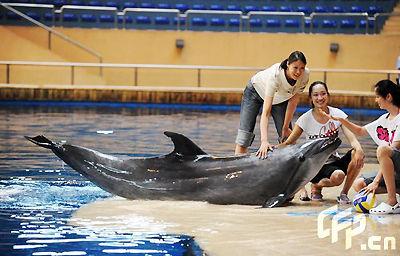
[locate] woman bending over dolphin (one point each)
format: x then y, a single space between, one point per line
316 125
385 131
275 89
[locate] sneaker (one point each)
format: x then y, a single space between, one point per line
316 196
343 199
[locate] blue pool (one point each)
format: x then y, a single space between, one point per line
39 194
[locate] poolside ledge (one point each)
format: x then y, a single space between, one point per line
167 95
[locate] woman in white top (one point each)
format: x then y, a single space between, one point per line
317 125
275 89
385 131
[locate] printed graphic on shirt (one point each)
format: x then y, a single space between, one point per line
326 131
383 130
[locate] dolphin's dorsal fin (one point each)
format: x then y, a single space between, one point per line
183 145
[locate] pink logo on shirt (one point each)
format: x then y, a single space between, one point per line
383 134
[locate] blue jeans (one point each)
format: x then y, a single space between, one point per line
249 110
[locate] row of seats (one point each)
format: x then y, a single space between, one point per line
337 6
109 17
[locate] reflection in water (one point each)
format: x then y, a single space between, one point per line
38 193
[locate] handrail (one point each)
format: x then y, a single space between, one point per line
199 68
51 31
345 14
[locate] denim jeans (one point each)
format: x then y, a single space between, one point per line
249 110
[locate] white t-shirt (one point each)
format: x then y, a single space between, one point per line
384 131
272 82
314 130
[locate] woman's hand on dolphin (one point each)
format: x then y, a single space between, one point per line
262 152
285 133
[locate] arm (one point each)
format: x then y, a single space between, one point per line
356 129
359 153
296 133
266 112
291 108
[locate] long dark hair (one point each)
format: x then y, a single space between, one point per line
294 56
311 88
385 87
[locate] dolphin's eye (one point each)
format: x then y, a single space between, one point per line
302 158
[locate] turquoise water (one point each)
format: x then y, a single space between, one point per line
38 193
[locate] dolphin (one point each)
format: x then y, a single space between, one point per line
189 173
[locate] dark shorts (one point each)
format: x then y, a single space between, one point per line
249 110
339 164
396 162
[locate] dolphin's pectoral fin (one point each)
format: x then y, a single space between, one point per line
42 141
183 145
275 201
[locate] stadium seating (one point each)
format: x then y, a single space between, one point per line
210 15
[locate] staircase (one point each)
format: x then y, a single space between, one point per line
392 24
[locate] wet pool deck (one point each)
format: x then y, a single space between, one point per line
249 230
167 95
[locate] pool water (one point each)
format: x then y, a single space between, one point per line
39 194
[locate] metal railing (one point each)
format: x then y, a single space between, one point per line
198 68
51 32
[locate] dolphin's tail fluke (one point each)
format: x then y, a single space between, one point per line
42 141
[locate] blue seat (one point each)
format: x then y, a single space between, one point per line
233 7
70 17
94 3
129 5
164 6
250 8
59 3
76 2
328 23
13 16
373 10
199 7
268 8
106 18
216 7
162 20
292 23
273 23
234 22
126 19
217 21
181 20
182 7
255 22
347 23
304 9
307 23
88 17
320 8
33 15
142 19
285 8
198 21
146 5
356 9
111 4
337 9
